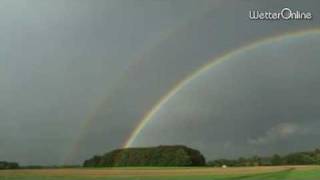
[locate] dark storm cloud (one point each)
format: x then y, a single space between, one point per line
64 62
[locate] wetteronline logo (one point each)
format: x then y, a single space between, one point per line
284 14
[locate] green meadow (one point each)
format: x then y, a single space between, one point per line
274 173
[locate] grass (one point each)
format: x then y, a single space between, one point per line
252 173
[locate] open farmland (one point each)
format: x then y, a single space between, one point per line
245 173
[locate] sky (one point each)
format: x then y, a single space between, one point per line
77 77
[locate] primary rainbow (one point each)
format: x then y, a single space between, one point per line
181 84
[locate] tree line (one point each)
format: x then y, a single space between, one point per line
298 158
180 156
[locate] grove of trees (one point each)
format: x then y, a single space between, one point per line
152 156
8 165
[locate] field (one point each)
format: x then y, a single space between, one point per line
243 173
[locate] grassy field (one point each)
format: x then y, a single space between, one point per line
243 173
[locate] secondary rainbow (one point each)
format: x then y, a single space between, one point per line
181 84
149 47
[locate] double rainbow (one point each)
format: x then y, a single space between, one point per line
185 81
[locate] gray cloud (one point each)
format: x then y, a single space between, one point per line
63 63
280 131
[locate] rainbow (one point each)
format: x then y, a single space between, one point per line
138 59
184 82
